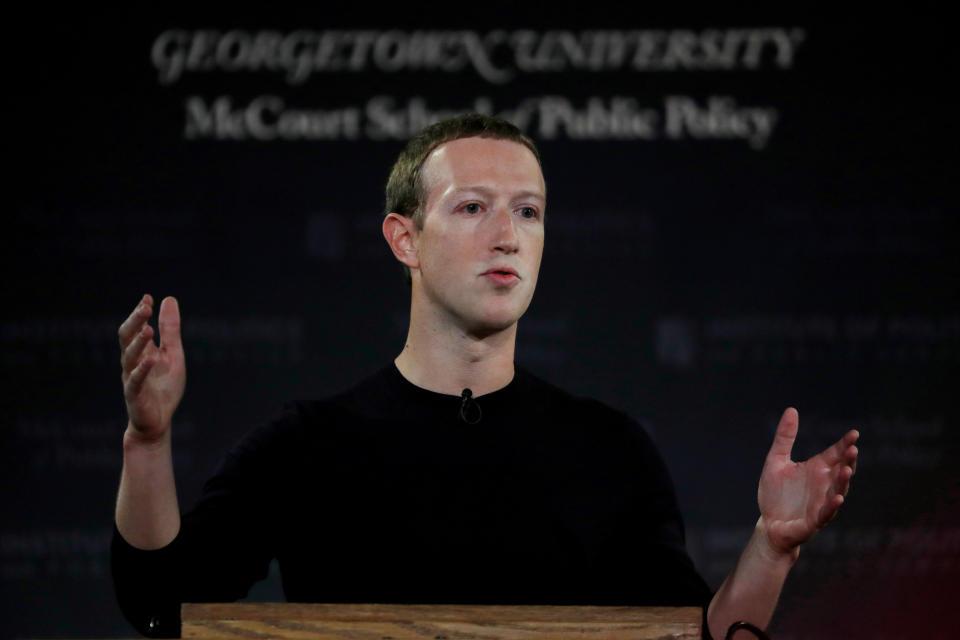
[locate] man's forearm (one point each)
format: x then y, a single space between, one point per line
147 516
750 592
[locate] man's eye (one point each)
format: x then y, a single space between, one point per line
528 212
473 207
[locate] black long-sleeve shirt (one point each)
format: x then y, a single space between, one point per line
386 494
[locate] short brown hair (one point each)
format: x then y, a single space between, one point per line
406 193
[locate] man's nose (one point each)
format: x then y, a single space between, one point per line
504 233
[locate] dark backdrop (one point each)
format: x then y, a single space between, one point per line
745 212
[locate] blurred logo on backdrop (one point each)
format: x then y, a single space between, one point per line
493 59
497 56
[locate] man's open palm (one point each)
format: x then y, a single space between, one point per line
153 376
798 498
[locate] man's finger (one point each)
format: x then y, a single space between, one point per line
138 375
839 450
169 322
128 330
786 433
841 484
130 355
829 510
853 452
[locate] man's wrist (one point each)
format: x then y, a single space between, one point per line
770 551
134 439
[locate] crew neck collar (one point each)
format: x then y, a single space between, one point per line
405 386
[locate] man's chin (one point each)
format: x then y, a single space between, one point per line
496 322
493 323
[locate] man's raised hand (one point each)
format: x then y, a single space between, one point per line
153 376
797 499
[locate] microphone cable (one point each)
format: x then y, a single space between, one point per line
745 626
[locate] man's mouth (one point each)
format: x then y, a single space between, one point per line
502 275
502 271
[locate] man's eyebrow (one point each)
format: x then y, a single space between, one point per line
532 194
526 193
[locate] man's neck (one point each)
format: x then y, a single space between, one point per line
446 359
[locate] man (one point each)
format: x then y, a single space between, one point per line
451 475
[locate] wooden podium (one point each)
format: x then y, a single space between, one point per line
438 622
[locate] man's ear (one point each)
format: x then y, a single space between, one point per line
401 234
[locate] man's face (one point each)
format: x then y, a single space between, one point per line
481 243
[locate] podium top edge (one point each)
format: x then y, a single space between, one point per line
394 612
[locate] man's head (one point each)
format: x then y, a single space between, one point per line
405 190
467 218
